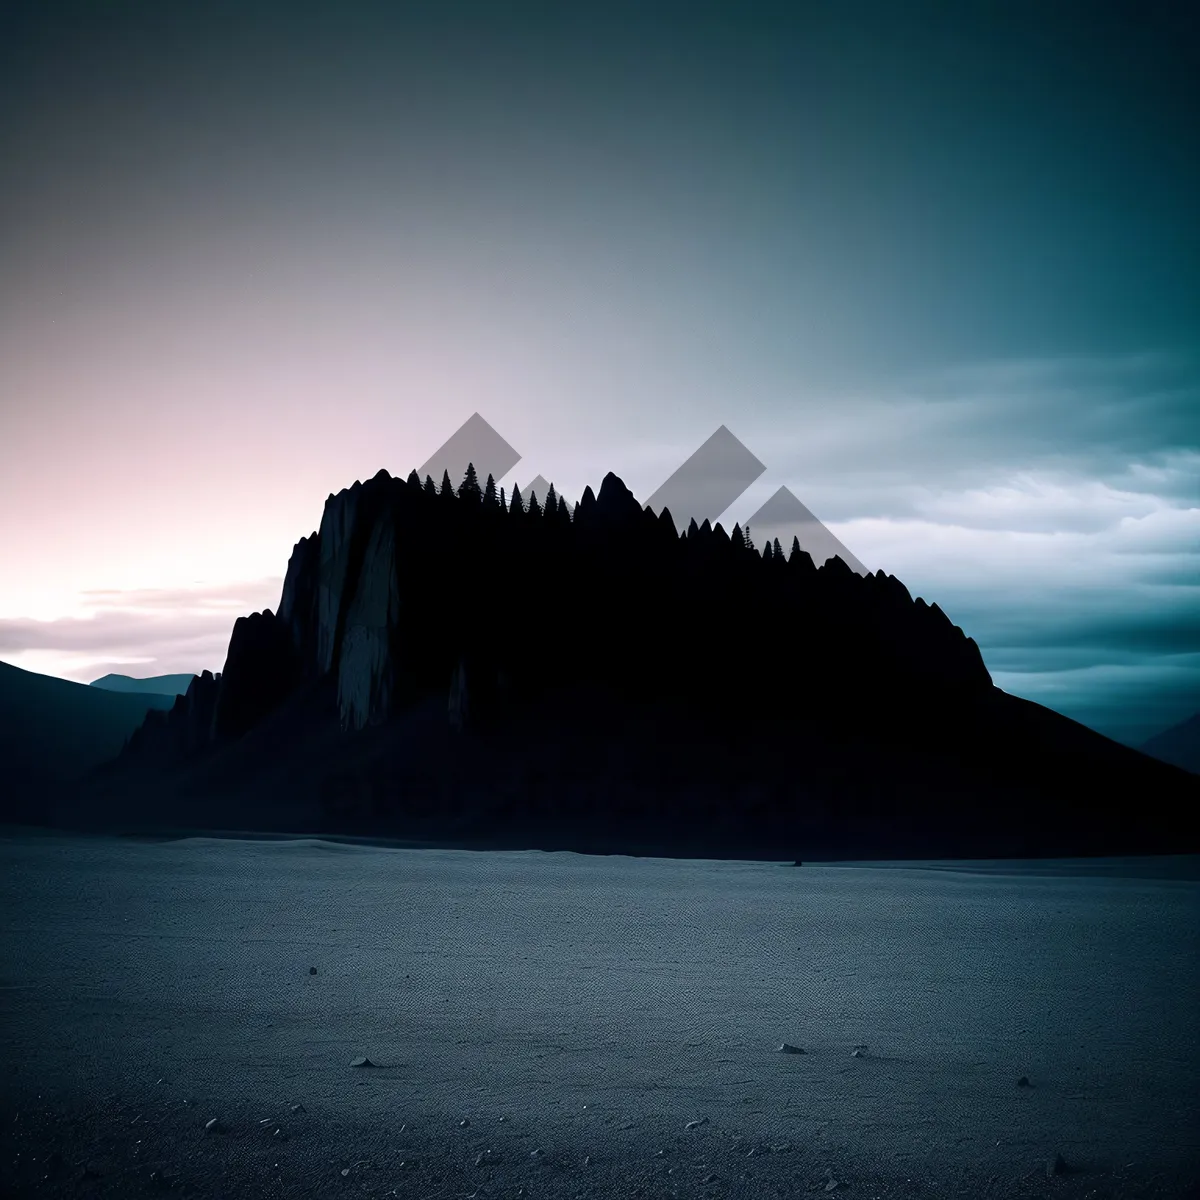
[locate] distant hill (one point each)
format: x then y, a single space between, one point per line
1179 745
53 731
158 685
634 693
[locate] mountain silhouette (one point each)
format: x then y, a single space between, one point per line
617 699
1179 745
164 685
53 731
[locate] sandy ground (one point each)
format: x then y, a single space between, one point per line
550 1025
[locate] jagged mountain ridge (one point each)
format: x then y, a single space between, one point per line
394 617
357 590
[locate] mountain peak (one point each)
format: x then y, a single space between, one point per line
616 501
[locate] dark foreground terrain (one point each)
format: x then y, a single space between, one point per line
133 1145
555 1025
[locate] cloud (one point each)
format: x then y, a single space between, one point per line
1127 701
1129 422
1048 505
161 631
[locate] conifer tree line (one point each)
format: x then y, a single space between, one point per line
555 506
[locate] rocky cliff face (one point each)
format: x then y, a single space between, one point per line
391 597
261 671
188 728
298 604
370 628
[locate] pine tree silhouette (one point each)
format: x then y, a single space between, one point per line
414 480
489 492
795 549
738 542
430 486
447 488
469 489
778 551
551 501
503 501
515 505
535 509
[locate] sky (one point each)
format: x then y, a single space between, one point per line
936 265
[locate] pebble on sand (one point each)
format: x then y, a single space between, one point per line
696 1124
214 1126
312 970
788 1048
362 1061
1056 1166
1023 1081
859 1051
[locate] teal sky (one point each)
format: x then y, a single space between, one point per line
938 269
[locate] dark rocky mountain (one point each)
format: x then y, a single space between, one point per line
1179 745
164 685
53 731
440 668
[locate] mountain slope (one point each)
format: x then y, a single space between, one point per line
1179 745
53 731
159 685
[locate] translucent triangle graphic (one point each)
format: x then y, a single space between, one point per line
475 442
784 517
708 482
539 487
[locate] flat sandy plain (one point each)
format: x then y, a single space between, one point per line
558 1025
